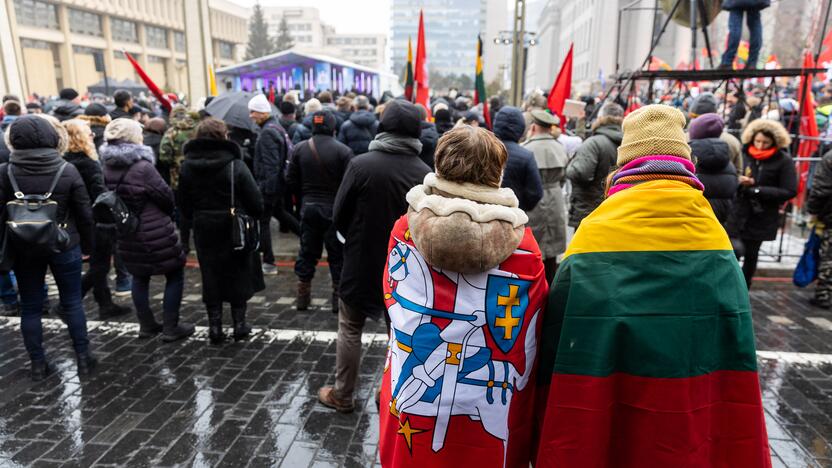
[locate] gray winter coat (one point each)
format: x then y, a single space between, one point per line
548 219
588 170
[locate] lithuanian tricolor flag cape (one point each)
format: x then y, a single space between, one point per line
647 344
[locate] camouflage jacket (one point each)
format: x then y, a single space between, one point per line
182 129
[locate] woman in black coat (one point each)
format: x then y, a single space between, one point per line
36 143
154 248
205 190
81 153
713 164
769 181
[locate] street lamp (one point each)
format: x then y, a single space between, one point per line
519 59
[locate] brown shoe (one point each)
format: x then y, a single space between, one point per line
326 395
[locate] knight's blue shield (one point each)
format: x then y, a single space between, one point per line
506 301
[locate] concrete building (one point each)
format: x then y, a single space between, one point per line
311 35
49 45
451 28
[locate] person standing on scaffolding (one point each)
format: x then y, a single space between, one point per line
751 9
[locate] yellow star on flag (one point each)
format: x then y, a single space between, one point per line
407 432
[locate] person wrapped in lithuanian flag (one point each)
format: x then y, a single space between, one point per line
647 345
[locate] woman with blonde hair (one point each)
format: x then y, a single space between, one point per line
81 153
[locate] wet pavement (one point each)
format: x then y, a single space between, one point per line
252 403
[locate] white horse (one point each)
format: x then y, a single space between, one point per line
472 384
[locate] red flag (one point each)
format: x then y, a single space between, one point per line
421 73
150 84
808 128
562 88
825 57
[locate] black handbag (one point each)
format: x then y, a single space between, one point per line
32 220
245 230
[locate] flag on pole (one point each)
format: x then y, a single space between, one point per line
212 82
147 81
562 88
480 95
421 72
808 128
825 57
408 74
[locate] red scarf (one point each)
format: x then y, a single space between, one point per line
761 155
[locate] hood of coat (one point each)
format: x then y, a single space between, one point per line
65 108
363 118
712 155
509 124
207 154
773 127
611 131
429 133
464 228
122 154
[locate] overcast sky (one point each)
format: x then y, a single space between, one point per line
348 16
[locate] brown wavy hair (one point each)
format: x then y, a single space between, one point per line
471 154
79 138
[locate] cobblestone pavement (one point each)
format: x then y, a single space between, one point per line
252 403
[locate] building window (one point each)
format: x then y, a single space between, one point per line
226 50
124 31
154 59
156 37
85 50
84 22
36 13
34 44
179 41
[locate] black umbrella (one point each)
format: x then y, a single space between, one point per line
232 108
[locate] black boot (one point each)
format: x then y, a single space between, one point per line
40 369
86 363
108 311
173 329
215 333
241 328
304 295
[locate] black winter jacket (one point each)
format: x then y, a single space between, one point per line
303 131
290 126
359 131
315 180
370 200
521 173
70 194
65 110
429 137
745 4
205 195
717 174
270 158
820 197
90 172
589 168
154 249
758 207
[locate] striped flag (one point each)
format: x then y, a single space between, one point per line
480 95
408 74
647 345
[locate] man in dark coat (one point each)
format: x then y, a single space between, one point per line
428 138
270 156
360 129
819 205
713 164
67 107
370 199
287 118
315 171
752 9
521 173
124 105
593 162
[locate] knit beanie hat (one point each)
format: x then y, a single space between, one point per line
654 129
706 126
96 110
125 130
705 103
260 103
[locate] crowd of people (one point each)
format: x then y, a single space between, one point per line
395 191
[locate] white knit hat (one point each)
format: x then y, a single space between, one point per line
259 103
124 129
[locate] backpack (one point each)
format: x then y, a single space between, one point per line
32 220
109 210
286 140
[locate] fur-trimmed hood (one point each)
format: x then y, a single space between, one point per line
464 228
775 128
96 120
124 154
605 120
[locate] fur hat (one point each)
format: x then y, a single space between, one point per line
654 129
124 129
771 127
